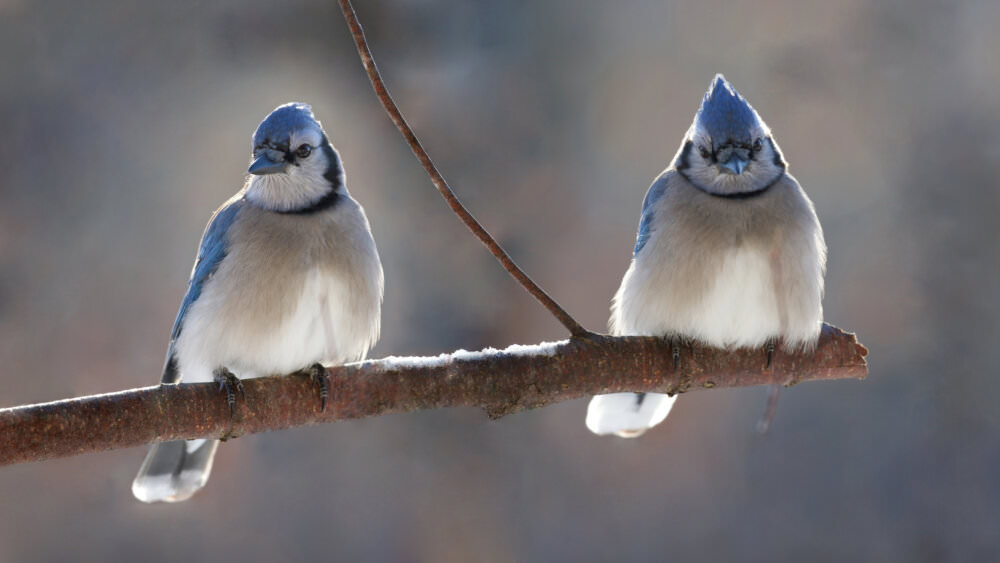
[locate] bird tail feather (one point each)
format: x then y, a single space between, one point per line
173 471
627 414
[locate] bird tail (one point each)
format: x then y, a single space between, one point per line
173 471
627 414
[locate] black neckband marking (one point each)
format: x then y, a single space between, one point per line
332 175
744 195
737 195
326 202
683 162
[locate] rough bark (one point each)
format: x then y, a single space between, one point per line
500 382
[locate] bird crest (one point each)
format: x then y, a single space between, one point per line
278 125
725 115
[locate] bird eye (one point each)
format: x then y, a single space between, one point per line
757 144
703 151
303 151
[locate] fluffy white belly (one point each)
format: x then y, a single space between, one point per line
738 306
231 332
740 309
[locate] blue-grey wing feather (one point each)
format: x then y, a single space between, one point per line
214 247
654 194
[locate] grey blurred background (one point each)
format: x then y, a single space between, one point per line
124 126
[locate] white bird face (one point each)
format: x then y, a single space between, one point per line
293 164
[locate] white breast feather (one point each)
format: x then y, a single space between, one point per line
327 325
740 309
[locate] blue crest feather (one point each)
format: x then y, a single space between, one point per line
725 114
279 124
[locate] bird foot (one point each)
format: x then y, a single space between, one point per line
676 342
320 377
228 382
769 346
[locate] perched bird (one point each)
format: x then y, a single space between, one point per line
729 253
287 279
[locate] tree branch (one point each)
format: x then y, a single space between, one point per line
501 382
575 328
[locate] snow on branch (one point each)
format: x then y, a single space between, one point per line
501 382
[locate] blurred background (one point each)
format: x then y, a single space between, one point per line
124 126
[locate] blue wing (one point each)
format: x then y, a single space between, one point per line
654 194
214 247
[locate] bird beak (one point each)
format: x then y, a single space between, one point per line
264 164
736 165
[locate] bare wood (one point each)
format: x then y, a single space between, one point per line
499 382
575 328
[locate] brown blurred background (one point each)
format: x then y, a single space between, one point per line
124 126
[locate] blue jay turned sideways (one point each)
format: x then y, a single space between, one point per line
287 279
729 253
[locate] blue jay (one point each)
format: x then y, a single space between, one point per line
729 253
287 278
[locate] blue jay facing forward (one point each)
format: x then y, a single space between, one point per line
287 278
729 253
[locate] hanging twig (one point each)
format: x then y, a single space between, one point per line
477 229
501 382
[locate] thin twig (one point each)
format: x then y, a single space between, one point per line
770 411
500 382
477 229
